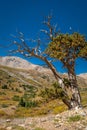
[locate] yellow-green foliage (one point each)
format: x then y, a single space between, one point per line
53 107
65 46
22 112
53 92
59 109
75 118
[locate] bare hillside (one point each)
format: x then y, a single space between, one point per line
17 62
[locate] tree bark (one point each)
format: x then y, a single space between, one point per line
75 101
60 80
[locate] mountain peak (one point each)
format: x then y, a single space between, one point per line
16 62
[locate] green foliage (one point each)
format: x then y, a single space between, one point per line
22 102
16 98
27 99
25 103
44 76
59 109
58 90
2 93
17 90
46 93
5 87
66 82
75 118
53 92
67 46
83 89
30 91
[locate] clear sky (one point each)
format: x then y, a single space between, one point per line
27 16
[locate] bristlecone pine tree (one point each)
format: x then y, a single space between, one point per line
63 47
67 48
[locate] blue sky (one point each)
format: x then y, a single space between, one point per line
27 16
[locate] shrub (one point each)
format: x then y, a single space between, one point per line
16 98
29 95
44 77
25 103
31 90
30 104
17 90
4 87
12 88
52 93
22 102
75 118
2 93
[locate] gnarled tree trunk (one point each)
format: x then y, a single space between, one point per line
75 101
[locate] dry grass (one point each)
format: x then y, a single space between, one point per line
15 88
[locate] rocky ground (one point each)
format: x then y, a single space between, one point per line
68 120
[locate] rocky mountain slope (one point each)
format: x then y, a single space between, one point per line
29 71
18 83
17 62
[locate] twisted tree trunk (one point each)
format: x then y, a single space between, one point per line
75 101
68 102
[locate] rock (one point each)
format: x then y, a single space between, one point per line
22 125
85 128
8 120
58 125
57 116
83 113
43 120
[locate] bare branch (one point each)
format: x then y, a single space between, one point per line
51 28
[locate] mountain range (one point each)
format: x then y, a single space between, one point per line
17 62
37 73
